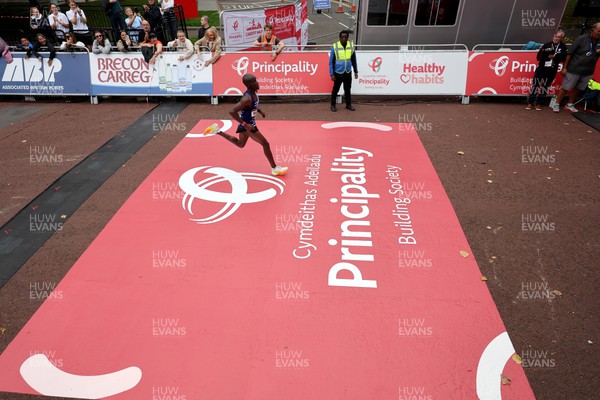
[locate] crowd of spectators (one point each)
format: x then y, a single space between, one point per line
129 27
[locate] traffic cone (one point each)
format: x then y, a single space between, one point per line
340 8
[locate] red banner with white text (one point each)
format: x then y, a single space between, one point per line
289 74
504 73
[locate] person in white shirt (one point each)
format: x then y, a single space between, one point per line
77 18
166 4
182 44
169 16
58 22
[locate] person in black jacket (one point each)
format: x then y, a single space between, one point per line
42 44
549 56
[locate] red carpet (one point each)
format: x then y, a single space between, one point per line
343 279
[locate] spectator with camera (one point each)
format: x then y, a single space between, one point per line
125 42
134 23
152 14
71 43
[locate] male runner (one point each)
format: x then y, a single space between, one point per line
244 113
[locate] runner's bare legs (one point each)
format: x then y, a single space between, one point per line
257 137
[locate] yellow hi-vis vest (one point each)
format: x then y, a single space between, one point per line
343 55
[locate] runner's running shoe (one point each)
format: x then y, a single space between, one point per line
279 171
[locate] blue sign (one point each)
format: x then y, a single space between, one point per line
68 75
322 4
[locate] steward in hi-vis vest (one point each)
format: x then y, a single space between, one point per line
342 59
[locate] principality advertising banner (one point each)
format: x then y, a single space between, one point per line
504 73
414 73
68 75
129 74
289 74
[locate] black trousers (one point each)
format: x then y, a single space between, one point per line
346 79
542 79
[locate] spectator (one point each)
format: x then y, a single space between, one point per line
152 50
267 41
146 31
211 41
204 25
152 14
169 16
37 20
58 22
114 12
549 56
134 24
5 51
25 44
77 18
71 42
124 44
182 44
42 44
578 67
101 43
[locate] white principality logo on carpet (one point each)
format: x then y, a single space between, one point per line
239 190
